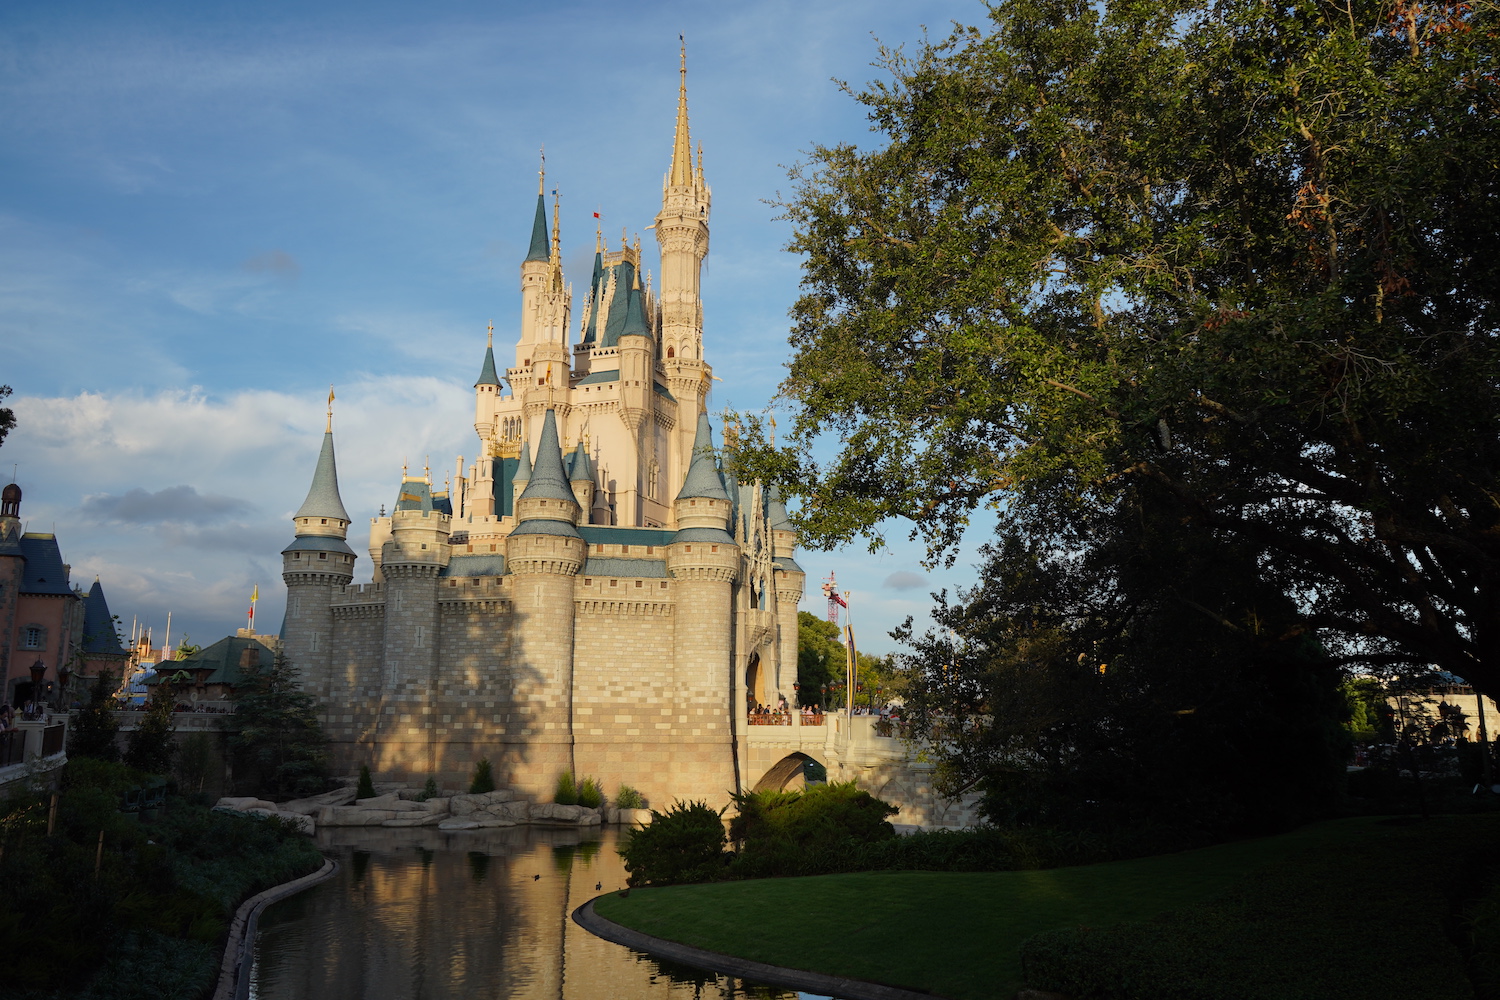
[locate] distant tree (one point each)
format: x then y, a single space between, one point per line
484 778
366 787
1369 713
820 657
276 742
7 415
150 747
94 727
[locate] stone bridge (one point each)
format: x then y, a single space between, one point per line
850 748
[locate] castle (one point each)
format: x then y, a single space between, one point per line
594 593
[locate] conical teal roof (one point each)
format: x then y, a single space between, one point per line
487 374
703 474
541 247
323 498
99 635
635 316
523 471
583 467
548 480
776 515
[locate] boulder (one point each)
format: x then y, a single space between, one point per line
458 824
555 812
493 821
429 819
462 805
634 817
310 805
357 816
244 803
437 805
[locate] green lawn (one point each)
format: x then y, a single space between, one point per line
956 934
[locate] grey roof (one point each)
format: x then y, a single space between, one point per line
486 564
789 564
548 480
541 248
606 566
523 471
703 475
593 378
44 565
776 515
11 546
545 526
716 535
319 543
635 317
323 498
99 634
487 374
222 658
596 289
581 469
415 494
610 534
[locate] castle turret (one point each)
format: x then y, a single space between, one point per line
703 561
317 564
534 273
581 478
544 553
790 582
410 564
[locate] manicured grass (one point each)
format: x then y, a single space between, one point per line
955 934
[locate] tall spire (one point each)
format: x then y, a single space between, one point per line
539 248
323 497
682 146
703 474
548 480
556 251
487 374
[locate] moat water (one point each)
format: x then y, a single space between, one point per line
417 914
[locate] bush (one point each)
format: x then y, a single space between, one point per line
366 787
149 747
93 729
822 816
684 844
429 790
566 793
629 798
590 795
484 778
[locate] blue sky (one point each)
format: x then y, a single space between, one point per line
209 212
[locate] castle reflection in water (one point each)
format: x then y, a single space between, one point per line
417 914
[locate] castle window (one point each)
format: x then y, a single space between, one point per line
474 581
624 550
650 549
322 555
296 555
539 541
424 545
671 352
588 582
471 548
687 548
599 547
614 583
492 548
35 637
421 636
692 503
663 585
325 520
639 584
713 548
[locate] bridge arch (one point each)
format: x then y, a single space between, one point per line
785 771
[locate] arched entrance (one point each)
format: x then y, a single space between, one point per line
755 682
792 772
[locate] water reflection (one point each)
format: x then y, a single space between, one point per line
416 914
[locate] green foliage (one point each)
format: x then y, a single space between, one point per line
590 795
820 657
278 748
429 790
366 787
195 761
629 798
150 747
1237 250
780 833
683 844
173 884
484 778
95 725
1369 715
566 792
7 415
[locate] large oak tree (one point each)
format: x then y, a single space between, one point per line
1241 251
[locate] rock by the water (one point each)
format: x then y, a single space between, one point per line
458 824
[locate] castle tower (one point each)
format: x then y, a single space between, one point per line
682 233
535 270
790 582
703 562
481 496
410 563
315 566
544 553
581 478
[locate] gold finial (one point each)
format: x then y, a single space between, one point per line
427 469
541 174
329 428
624 238
403 470
599 232
490 336
556 241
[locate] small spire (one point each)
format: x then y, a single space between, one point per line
538 249
427 469
556 259
323 496
541 174
328 429
682 146
489 340
487 373
703 473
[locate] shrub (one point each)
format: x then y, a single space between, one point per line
684 844
366 788
629 798
93 729
820 816
484 778
149 747
429 790
590 795
566 793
